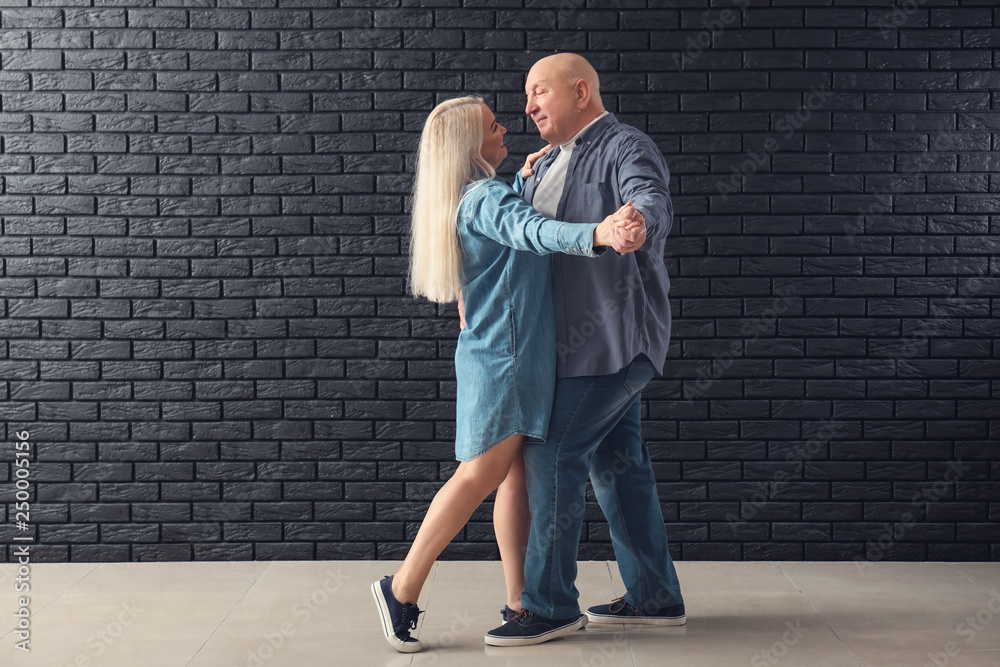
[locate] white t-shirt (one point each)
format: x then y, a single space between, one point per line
549 190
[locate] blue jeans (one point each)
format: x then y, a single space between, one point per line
595 430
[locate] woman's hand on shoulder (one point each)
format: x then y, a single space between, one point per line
529 164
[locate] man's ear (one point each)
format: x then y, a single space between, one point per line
582 94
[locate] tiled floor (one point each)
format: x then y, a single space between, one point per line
294 613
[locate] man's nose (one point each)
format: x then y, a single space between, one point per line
530 106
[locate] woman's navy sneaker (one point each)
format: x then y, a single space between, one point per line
398 618
619 612
528 628
507 613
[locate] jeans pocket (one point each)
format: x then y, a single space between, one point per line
640 372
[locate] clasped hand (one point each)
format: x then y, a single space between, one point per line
624 230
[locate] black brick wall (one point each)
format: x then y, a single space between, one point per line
205 328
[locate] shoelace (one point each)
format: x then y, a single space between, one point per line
621 604
521 616
410 615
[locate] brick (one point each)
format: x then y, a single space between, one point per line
205 230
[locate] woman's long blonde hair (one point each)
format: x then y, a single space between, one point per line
449 158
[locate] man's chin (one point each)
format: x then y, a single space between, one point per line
548 136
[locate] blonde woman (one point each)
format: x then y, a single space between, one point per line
474 237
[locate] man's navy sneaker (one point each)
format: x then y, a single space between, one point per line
507 613
398 618
528 628
620 611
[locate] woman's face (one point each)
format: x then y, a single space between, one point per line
493 149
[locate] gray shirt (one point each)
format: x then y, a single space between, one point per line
610 309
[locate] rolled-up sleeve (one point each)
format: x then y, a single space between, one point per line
507 219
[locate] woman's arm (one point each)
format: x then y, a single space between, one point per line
507 219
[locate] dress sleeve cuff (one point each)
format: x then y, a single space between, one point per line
578 239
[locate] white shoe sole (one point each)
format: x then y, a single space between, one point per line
537 639
600 619
386 618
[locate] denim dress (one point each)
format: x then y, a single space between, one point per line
505 360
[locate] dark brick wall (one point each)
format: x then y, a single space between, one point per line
205 327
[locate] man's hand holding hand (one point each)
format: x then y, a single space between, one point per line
630 230
624 230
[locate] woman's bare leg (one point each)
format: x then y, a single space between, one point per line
451 509
512 522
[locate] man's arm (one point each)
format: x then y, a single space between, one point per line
643 176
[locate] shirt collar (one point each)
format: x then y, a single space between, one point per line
587 129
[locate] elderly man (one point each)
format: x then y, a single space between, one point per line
613 328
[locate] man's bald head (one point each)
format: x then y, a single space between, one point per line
571 67
563 96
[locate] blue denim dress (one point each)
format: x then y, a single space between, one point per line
505 361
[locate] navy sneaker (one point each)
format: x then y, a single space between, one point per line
398 618
620 611
507 613
528 628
